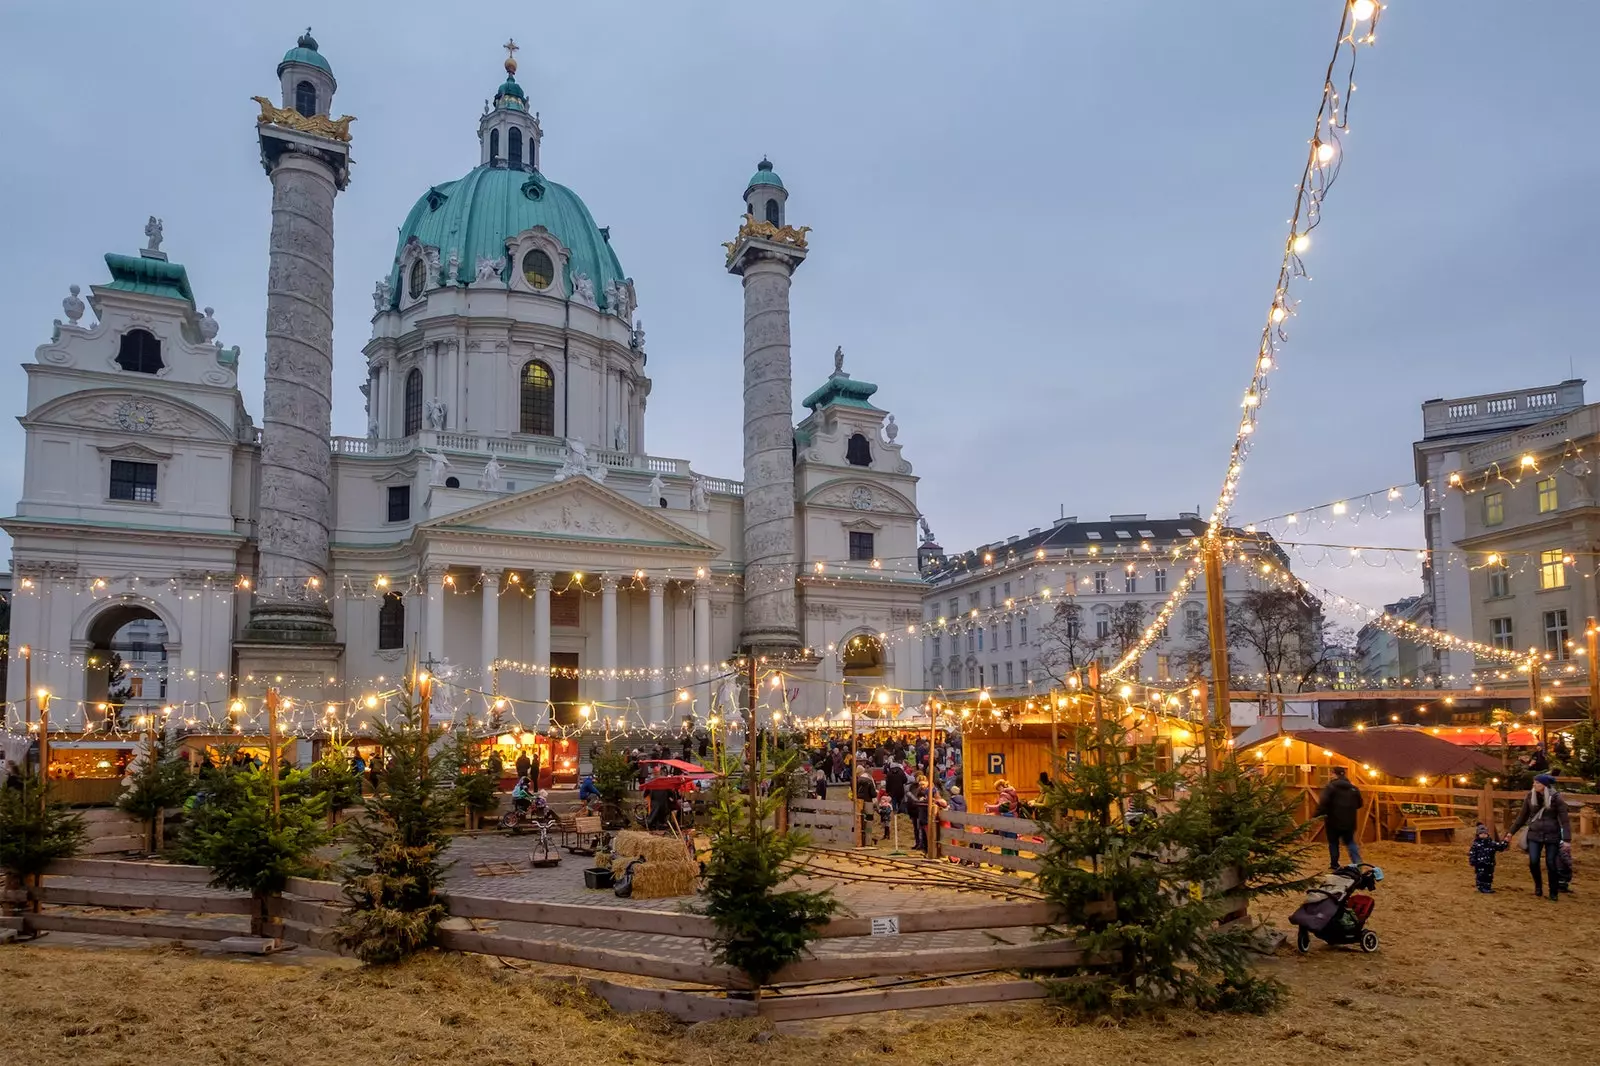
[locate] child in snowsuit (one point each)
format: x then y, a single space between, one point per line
1481 855
885 811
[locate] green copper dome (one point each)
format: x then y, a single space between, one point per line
765 175
305 51
476 215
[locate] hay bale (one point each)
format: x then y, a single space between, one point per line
658 880
632 844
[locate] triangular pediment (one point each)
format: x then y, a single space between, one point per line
576 509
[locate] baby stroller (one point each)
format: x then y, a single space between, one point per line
1336 911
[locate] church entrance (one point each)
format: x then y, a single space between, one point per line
125 670
564 702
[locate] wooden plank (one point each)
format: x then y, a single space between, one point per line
685 1006
568 954
821 821
143 871
661 923
73 923
99 817
118 845
1035 954
306 912
330 891
837 1004
1022 826
210 903
994 840
999 916
840 806
994 858
313 937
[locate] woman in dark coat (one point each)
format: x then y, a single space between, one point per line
1544 812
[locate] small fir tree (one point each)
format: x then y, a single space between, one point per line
393 884
232 829
473 787
332 777
35 832
1131 881
612 775
118 689
760 929
160 780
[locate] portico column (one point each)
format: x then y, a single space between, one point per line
489 640
433 638
702 626
658 647
608 637
541 636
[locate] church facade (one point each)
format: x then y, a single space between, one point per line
501 521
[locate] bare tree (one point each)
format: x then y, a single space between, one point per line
1283 630
1067 646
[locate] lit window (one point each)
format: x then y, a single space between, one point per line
1494 509
1501 635
860 546
1548 500
538 400
538 270
1555 633
133 481
1552 571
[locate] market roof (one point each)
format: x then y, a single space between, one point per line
305 51
1398 751
150 276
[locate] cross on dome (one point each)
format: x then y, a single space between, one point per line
512 48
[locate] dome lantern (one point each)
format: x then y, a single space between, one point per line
306 78
764 196
508 133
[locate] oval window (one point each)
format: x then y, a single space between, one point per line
538 269
414 283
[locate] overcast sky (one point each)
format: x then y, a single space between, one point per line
1048 231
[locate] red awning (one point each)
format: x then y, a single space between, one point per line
1399 751
679 765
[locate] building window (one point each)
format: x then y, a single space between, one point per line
538 270
971 643
514 149
1499 582
955 606
936 642
1102 628
860 546
772 212
538 400
305 98
1007 590
980 639
1073 629
494 148
1100 581
1022 629
140 352
1008 632
1163 668
1130 583
418 276
1191 622
1500 634
399 503
1548 500
391 621
1161 581
994 598
1162 633
1494 509
1555 633
413 404
1010 678
857 452
133 481
1552 569
1023 669
994 637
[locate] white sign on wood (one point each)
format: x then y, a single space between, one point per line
889 926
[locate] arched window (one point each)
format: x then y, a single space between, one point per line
772 212
392 622
857 452
305 99
413 400
140 352
514 149
414 283
538 400
494 148
538 270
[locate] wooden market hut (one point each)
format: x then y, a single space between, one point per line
1399 768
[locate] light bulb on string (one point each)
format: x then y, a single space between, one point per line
1301 243
1362 10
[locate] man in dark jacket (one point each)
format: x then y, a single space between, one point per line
1340 801
866 799
1544 812
894 783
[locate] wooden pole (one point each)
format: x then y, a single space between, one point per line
44 744
427 721
27 686
1591 638
1536 699
272 747
1217 627
931 835
750 740
855 771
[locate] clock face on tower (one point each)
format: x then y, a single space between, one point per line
136 416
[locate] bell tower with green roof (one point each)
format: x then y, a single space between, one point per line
508 133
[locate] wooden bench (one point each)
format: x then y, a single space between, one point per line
580 835
1422 824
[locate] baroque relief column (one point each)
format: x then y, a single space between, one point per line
608 637
702 626
541 636
658 648
308 165
489 638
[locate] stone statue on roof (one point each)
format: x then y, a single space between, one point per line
152 232
838 361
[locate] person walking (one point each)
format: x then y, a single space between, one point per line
1544 814
1340 801
866 802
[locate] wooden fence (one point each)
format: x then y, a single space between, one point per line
308 911
829 823
1388 808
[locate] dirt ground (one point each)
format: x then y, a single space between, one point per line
1460 979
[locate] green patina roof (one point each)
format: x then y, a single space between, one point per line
510 88
305 51
844 391
153 277
476 214
765 175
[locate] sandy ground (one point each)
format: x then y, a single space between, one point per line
1460 978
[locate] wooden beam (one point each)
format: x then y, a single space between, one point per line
660 923
143 871
837 1004
567 954
1033 955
